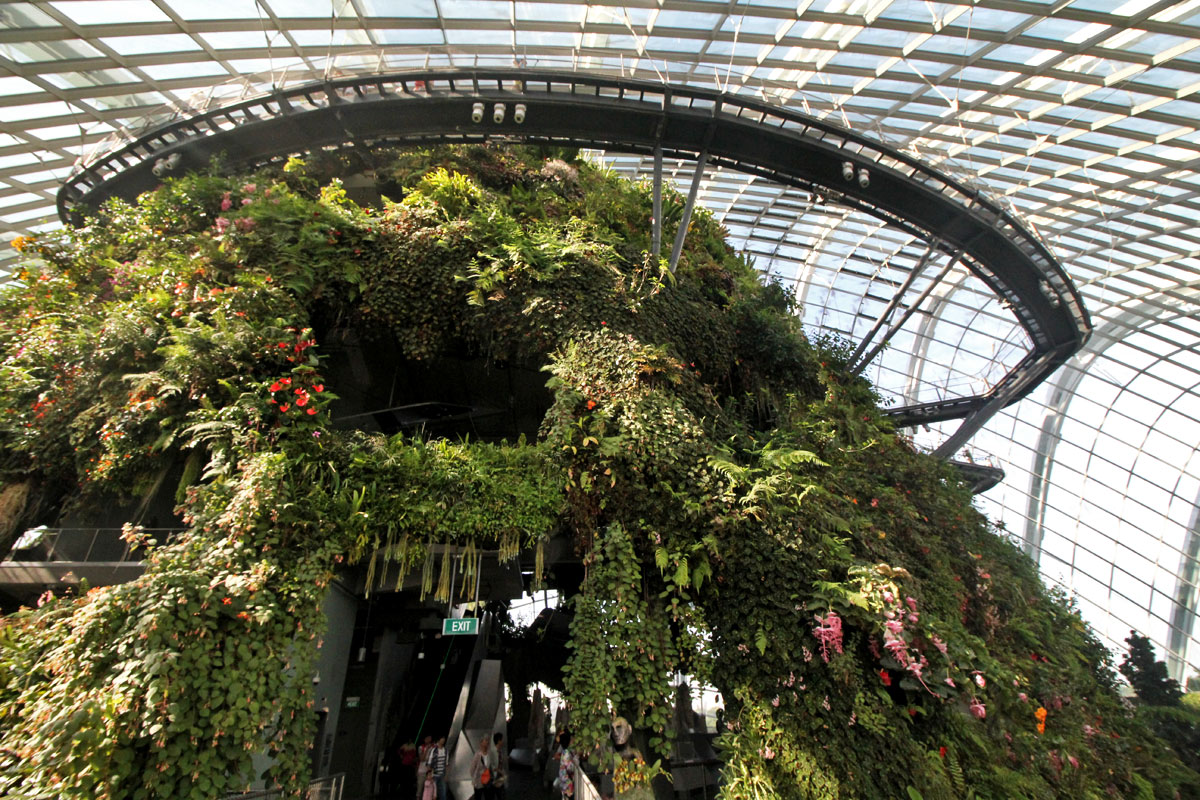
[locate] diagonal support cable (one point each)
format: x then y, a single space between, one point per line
908 312
897 296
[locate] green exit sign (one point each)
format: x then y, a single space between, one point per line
467 626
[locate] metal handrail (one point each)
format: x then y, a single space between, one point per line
66 544
754 136
327 788
324 94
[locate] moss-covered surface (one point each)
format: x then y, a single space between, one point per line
743 512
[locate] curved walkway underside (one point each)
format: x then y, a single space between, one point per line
707 127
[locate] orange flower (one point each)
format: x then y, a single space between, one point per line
1040 714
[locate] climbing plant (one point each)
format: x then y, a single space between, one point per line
742 512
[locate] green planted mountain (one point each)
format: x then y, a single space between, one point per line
742 511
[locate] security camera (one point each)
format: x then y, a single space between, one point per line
498 113
519 113
848 170
477 112
864 178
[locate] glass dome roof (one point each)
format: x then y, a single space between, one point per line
1077 117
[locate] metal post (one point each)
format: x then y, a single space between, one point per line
912 309
701 161
895 301
656 220
681 232
975 421
453 573
478 580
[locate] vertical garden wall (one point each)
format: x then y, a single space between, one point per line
743 513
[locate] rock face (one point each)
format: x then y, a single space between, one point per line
296 368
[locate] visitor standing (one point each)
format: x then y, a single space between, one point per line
499 763
436 762
481 773
566 768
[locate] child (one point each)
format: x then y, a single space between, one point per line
430 790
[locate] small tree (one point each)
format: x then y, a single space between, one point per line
1148 676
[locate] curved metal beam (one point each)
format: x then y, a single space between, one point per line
1066 386
636 117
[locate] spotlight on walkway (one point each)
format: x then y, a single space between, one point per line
477 112
848 170
519 113
498 113
864 178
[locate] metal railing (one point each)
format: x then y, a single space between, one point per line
714 127
327 788
84 545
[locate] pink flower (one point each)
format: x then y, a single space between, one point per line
1073 761
897 648
888 597
1024 698
246 201
775 701
226 202
911 603
829 634
222 225
979 681
939 644
249 188
978 709
245 224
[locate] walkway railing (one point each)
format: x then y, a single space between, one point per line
83 545
328 788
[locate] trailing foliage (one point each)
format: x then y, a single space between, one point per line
742 511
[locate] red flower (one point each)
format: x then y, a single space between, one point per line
299 390
275 386
226 601
885 677
942 751
318 387
285 406
312 411
302 400
282 345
